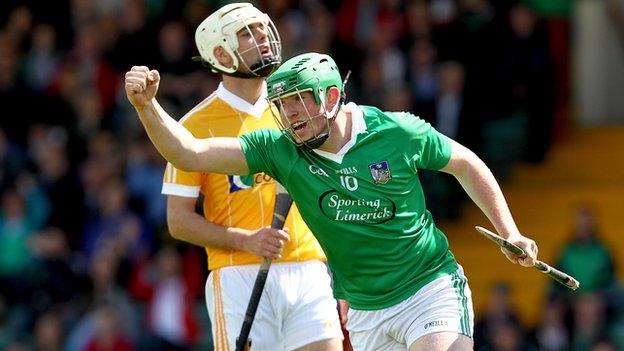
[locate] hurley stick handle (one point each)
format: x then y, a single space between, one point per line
283 201
554 273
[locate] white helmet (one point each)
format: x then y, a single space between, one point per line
221 28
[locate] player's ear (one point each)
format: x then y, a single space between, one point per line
333 97
222 56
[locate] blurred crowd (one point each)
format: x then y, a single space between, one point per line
86 262
591 318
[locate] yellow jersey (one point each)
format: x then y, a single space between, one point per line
237 201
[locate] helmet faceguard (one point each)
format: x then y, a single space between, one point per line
221 29
313 73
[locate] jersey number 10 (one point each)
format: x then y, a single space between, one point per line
349 182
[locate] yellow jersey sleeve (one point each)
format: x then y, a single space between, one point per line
181 183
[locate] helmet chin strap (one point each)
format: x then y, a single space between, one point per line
261 69
264 67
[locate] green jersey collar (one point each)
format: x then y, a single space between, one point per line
357 126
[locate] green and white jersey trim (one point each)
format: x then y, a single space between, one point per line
459 284
357 126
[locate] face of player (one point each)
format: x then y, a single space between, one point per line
302 116
256 48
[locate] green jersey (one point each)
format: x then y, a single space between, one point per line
365 204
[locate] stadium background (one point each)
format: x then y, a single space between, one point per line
534 87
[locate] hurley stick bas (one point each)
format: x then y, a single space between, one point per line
283 201
554 273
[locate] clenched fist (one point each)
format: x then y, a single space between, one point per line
141 85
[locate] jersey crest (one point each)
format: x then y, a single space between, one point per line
380 172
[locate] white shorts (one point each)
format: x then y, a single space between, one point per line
443 305
297 306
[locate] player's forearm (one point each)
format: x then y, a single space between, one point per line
479 183
178 146
174 142
197 230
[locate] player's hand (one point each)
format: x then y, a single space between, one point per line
530 249
267 242
141 85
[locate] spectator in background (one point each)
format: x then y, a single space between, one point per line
320 38
12 160
89 114
104 162
604 346
506 336
449 105
498 313
114 227
476 36
12 90
144 177
372 81
16 229
423 77
135 36
551 334
585 256
384 43
57 281
557 15
18 26
442 12
397 98
108 336
294 28
174 58
48 149
171 319
48 332
418 21
450 115
41 62
105 293
589 321
615 11
17 345
92 69
527 74
108 288
36 201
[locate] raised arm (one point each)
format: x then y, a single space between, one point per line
480 184
174 142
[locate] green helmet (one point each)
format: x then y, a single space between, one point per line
306 72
